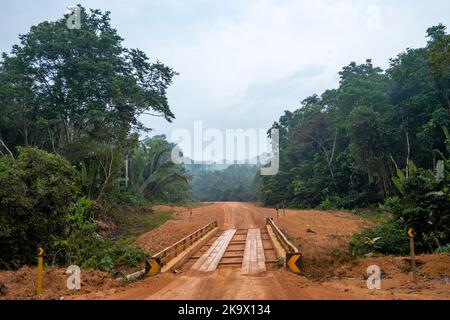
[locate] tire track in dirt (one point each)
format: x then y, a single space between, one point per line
226 283
330 229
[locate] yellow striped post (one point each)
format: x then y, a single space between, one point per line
39 271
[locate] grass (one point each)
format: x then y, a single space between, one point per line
340 255
281 262
188 204
120 255
376 215
194 204
132 222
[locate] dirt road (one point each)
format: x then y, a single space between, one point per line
318 234
227 281
239 262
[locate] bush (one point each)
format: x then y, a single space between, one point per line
387 238
444 249
126 198
84 247
90 251
36 190
424 205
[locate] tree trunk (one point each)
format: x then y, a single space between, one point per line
7 149
408 154
447 99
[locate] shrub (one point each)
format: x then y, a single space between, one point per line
387 238
443 249
424 204
126 198
36 189
108 255
84 247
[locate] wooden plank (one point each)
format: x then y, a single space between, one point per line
277 246
213 252
221 251
185 256
210 259
253 253
205 256
254 259
261 255
289 247
207 266
193 237
245 268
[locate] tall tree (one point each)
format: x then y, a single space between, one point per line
80 93
153 172
439 43
341 149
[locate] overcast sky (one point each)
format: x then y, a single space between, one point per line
242 63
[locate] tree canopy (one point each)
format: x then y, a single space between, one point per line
59 85
341 149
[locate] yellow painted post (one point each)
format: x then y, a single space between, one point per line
39 271
413 254
413 259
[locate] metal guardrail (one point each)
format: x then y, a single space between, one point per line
293 258
171 252
154 264
287 245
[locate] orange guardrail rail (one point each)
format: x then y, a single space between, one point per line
154 264
293 256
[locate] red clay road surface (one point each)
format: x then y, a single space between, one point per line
239 262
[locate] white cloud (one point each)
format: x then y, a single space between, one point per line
224 63
229 63
242 63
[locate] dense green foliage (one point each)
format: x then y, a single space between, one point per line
423 205
386 238
380 137
70 108
235 183
82 246
36 190
153 175
78 94
342 148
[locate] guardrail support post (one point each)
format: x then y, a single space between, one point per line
292 257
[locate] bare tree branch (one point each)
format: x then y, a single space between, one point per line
7 149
